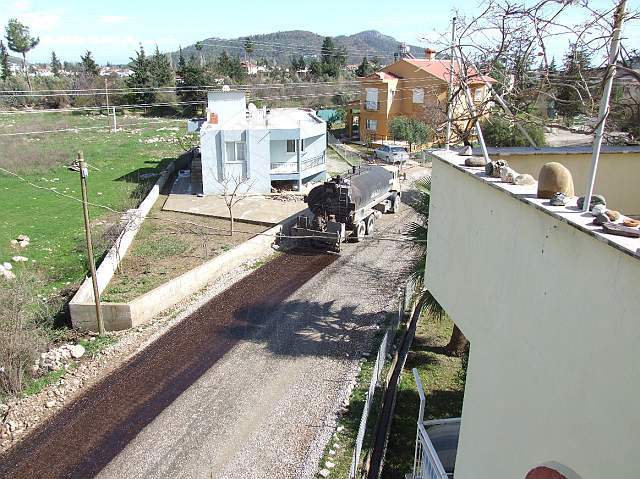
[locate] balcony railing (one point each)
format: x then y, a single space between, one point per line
427 462
292 166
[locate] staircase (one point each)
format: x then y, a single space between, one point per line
196 173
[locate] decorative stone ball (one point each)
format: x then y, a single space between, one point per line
554 178
598 210
507 175
524 179
497 168
488 169
595 200
559 199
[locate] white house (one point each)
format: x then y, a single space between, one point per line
280 147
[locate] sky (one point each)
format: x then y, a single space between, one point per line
113 30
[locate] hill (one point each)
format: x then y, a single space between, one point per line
280 47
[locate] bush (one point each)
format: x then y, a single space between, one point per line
22 330
499 131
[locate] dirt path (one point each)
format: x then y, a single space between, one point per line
247 386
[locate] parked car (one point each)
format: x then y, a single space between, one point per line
391 154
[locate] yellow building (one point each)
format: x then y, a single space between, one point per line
414 88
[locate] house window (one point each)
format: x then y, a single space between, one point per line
301 145
291 146
235 151
418 95
371 102
478 94
372 125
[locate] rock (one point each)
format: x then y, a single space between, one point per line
23 238
620 230
466 151
524 179
50 404
600 219
475 161
7 274
508 175
77 351
629 223
340 429
493 168
554 178
19 259
332 452
598 210
595 200
329 465
7 265
559 199
324 472
613 215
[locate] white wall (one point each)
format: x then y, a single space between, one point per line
553 319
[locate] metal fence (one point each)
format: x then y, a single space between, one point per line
385 348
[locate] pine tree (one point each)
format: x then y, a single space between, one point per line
248 48
56 66
140 79
89 66
5 71
19 40
365 68
192 75
160 68
327 50
182 63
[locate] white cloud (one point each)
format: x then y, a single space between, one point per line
22 6
40 21
114 19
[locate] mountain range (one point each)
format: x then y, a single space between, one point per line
280 47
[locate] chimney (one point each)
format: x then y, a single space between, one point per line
429 54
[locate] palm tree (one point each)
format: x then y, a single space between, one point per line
426 301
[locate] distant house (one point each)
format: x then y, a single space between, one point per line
409 87
280 147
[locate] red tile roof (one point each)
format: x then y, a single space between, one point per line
440 69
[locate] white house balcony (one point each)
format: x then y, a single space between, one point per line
308 166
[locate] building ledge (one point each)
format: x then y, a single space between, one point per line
555 150
570 214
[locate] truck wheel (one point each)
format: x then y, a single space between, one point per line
359 232
370 221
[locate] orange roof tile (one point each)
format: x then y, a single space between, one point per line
440 69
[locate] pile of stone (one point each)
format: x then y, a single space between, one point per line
56 359
22 241
5 271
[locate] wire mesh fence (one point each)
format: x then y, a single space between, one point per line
404 306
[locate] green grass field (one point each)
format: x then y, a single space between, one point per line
53 222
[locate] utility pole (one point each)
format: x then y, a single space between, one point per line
450 93
614 51
84 172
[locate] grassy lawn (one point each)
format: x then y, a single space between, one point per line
54 223
441 378
168 246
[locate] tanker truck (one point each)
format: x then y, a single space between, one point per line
346 207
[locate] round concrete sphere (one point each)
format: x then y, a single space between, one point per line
554 178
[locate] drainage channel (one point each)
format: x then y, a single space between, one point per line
86 435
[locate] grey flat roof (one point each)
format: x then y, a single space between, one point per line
554 150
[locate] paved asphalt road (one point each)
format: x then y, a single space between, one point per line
246 387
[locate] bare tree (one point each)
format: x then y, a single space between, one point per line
235 189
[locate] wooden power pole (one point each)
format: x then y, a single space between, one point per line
84 172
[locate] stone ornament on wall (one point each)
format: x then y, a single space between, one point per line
554 178
552 470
